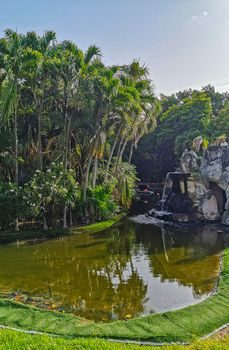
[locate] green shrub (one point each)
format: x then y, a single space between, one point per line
50 189
123 177
10 206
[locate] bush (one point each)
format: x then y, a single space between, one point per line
10 206
46 193
100 204
123 177
102 201
52 188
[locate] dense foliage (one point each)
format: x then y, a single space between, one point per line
185 116
66 121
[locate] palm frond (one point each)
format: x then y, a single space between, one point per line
92 52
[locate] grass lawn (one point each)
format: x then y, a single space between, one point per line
98 226
182 325
11 340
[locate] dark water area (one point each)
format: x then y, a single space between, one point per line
134 268
143 205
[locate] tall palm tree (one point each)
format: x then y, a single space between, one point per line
72 63
40 54
88 105
143 116
12 48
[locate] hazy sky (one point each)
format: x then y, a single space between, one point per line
185 43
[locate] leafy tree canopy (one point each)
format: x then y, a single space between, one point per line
185 116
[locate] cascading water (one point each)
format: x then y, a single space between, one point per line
166 190
175 205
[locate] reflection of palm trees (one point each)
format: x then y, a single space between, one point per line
129 296
91 275
120 247
96 276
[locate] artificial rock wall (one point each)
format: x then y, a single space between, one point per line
208 185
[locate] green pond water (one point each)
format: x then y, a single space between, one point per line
129 270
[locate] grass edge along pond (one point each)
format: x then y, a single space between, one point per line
182 325
40 235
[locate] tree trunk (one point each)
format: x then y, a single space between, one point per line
70 217
45 226
118 154
85 187
66 152
131 151
67 146
86 178
122 150
119 147
65 216
112 152
39 144
95 171
16 158
70 166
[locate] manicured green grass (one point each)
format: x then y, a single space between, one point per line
98 226
181 325
11 340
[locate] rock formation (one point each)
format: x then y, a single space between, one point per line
208 183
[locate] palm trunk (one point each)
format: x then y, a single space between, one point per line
70 166
95 172
16 157
112 152
119 147
118 154
67 146
86 178
122 150
39 107
70 217
85 187
45 226
66 152
65 216
39 145
131 151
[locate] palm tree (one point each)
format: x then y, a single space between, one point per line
40 54
89 107
12 48
143 116
72 63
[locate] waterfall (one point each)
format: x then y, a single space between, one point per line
175 205
167 186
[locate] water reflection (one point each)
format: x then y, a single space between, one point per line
126 271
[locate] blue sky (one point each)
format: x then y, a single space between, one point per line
185 43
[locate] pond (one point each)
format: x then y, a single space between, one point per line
129 270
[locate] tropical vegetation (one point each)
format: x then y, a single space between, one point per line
66 120
185 116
